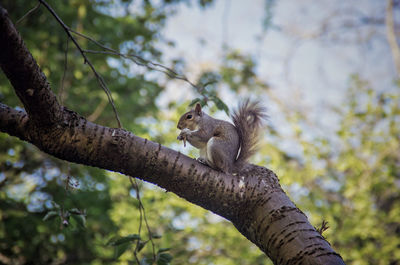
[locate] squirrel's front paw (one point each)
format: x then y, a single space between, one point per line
183 136
184 133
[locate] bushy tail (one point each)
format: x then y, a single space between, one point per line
248 120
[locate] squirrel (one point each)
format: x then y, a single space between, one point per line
223 146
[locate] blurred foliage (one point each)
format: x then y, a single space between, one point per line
350 177
53 212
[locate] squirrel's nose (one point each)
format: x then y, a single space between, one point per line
179 127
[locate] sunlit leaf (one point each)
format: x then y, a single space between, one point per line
163 250
164 259
115 241
141 245
120 249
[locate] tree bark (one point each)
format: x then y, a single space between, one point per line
253 200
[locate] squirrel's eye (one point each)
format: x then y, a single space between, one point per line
188 117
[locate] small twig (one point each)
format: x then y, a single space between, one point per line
99 109
86 60
142 217
28 13
137 60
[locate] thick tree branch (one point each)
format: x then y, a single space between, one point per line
252 200
14 122
28 80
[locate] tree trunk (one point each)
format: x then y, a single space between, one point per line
252 200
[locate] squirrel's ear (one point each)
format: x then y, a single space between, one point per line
197 109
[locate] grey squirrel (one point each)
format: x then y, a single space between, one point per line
223 146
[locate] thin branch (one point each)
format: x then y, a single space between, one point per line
391 35
28 13
137 60
142 217
86 60
96 113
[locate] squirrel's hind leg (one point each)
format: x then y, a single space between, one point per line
216 157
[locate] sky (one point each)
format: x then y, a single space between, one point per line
307 56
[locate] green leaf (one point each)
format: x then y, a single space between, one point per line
164 259
211 82
115 241
112 240
141 245
194 101
120 249
75 211
50 215
55 205
80 219
163 250
221 105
